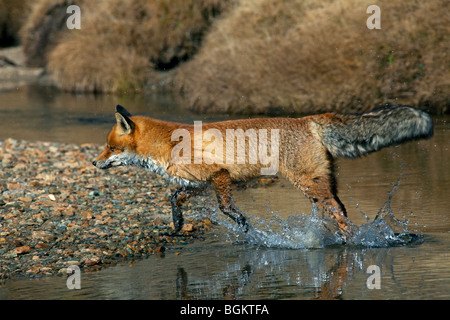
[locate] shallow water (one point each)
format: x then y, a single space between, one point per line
396 198
217 269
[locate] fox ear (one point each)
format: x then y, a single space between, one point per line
122 111
124 124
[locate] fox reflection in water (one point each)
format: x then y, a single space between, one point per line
327 284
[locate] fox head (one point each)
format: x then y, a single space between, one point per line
120 143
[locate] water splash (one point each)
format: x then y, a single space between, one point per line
312 231
385 230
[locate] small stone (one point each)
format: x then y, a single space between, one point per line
35 184
8 160
20 166
41 245
42 235
22 250
188 227
72 226
56 213
54 190
34 270
14 186
25 199
92 261
46 269
94 193
68 212
87 214
73 263
158 221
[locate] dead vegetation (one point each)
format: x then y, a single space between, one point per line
314 56
122 45
258 56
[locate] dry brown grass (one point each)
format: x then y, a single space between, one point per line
42 30
259 56
122 45
104 55
313 56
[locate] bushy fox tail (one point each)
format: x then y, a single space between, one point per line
351 136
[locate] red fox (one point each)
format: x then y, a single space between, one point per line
301 149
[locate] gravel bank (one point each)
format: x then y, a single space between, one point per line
56 210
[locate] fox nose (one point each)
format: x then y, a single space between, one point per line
94 163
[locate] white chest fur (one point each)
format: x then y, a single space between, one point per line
131 159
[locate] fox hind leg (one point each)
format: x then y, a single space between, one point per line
222 185
321 190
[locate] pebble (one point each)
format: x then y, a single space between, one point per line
42 235
22 250
59 210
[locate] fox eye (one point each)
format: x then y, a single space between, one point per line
115 148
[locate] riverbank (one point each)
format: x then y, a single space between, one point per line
249 57
56 210
257 57
14 73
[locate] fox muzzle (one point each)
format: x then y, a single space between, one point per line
102 164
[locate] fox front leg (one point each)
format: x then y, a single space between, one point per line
177 199
177 215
